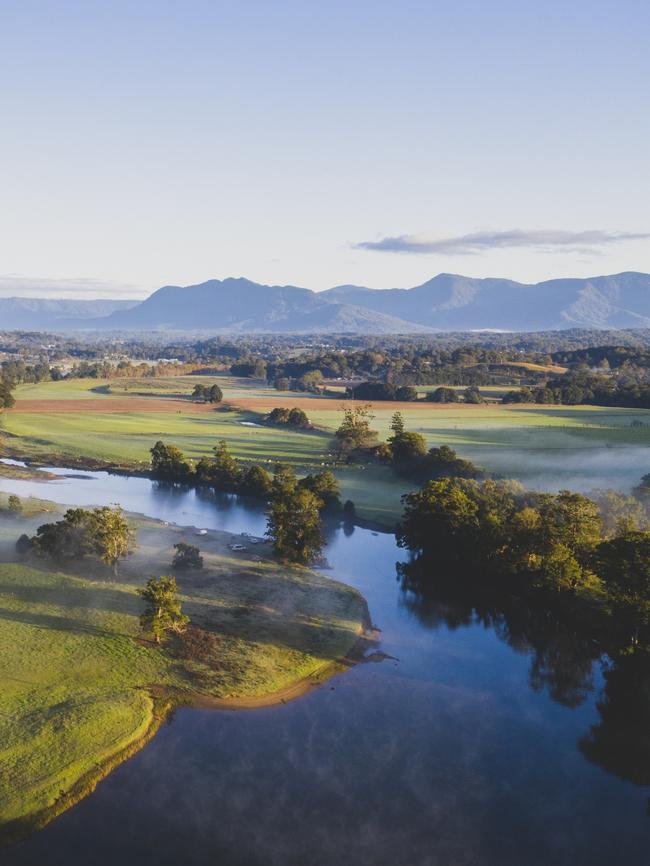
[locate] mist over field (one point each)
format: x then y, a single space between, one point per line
574 467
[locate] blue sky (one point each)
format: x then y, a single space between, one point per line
317 143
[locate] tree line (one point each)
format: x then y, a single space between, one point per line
522 542
584 387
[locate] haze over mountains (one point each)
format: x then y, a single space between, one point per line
34 314
448 302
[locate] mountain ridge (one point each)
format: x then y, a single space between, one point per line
446 302
18 313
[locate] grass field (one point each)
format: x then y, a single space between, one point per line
118 422
78 691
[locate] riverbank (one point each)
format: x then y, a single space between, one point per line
81 691
36 469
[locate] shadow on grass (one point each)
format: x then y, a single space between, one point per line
279 609
54 623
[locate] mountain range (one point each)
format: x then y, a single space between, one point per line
34 314
447 302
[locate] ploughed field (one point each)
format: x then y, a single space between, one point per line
116 423
80 689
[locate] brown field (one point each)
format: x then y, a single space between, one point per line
119 405
115 405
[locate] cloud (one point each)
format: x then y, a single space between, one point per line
544 240
19 285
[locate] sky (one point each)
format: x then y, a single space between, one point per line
320 143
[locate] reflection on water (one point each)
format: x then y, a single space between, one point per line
493 736
174 503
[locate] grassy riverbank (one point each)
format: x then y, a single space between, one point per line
80 690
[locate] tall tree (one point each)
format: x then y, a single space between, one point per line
110 535
225 468
169 462
163 611
354 432
294 525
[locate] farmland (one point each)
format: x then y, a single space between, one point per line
116 423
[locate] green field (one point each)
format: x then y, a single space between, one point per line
526 442
79 692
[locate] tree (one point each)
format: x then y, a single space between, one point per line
294 525
284 480
624 565
215 394
110 534
443 395
256 481
620 513
375 391
187 556
294 417
397 424
225 469
24 545
6 397
523 395
405 447
199 393
473 395
163 609
298 418
442 517
408 447
311 381
572 520
445 461
15 505
325 486
282 383
169 462
406 394
64 539
354 432
279 415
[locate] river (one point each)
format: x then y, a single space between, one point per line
460 749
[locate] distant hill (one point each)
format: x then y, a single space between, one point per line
448 302
35 314
241 306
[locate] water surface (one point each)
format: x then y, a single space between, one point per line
464 748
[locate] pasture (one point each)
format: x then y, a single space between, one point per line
117 422
80 690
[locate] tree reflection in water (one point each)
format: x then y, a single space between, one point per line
565 646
